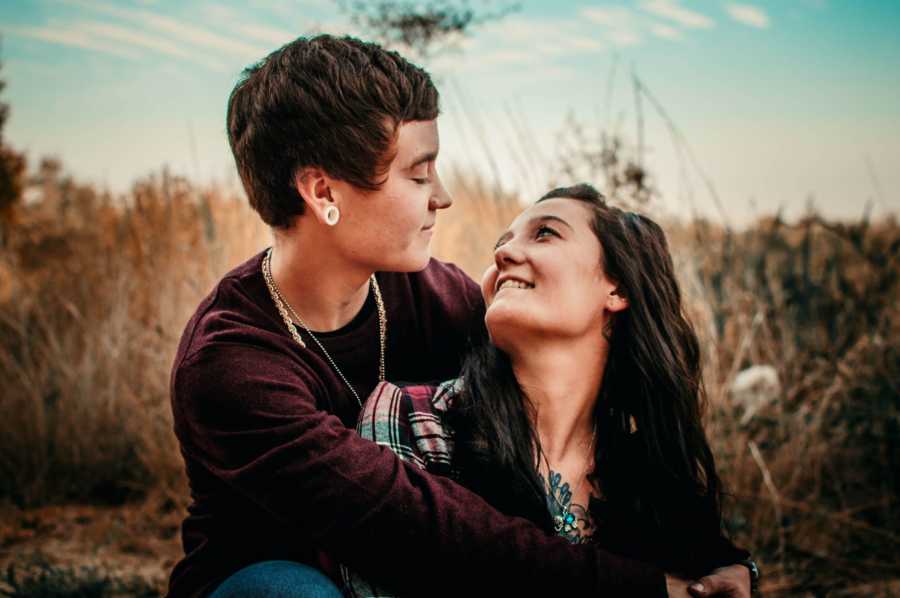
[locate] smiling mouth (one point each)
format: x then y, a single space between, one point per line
509 283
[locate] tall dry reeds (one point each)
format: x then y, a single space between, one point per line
95 293
814 472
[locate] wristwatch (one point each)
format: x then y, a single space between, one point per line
754 574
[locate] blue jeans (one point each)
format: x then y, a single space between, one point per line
278 579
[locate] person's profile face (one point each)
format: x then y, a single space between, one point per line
547 276
391 228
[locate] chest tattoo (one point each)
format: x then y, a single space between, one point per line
573 520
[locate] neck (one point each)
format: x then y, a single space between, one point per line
323 287
562 380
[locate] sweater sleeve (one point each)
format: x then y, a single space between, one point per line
715 550
248 416
722 552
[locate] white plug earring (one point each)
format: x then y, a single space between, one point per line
332 215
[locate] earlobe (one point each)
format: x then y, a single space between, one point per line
313 187
332 215
616 302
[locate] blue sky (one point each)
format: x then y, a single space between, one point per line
775 102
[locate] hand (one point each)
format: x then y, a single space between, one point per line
677 587
732 581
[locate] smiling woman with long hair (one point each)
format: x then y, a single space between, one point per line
582 410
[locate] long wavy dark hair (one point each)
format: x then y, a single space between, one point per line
653 461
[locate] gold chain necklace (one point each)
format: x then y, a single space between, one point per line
566 520
284 307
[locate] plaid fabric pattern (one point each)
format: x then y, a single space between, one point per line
409 421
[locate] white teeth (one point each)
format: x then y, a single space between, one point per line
516 284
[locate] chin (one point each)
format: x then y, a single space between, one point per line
502 321
408 263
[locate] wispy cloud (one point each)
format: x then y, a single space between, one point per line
665 31
134 37
506 57
179 30
623 37
198 36
627 26
165 36
609 16
556 36
519 29
243 23
585 43
288 9
74 39
672 10
748 14
272 35
522 45
622 24
484 62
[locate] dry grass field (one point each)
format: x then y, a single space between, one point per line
800 324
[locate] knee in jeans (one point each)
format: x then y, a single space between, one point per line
278 579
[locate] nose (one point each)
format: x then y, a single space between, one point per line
440 199
507 254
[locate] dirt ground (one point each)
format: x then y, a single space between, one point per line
102 551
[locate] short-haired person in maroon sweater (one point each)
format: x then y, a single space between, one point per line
336 141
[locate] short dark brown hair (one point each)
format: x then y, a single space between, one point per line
325 101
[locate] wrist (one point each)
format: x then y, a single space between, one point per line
752 567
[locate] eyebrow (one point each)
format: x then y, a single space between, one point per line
505 236
426 157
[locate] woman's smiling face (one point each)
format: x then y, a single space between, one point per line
547 278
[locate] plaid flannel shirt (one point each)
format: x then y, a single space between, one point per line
409 421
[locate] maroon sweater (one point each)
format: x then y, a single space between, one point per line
277 472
